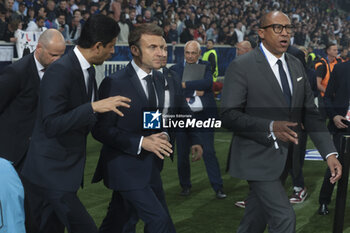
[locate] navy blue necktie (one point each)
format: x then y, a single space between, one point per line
91 81
152 99
284 82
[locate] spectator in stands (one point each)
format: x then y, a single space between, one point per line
50 14
30 16
72 6
200 35
75 30
243 47
63 27
62 9
191 21
147 16
344 54
3 24
201 100
116 7
21 12
212 32
12 26
187 35
239 31
124 29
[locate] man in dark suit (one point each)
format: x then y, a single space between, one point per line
199 91
266 98
336 101
56 157
175 103
131 156
19 92
299 189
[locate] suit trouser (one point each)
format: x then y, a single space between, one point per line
327 187
267 204
123 214
211 163
298 179
54 210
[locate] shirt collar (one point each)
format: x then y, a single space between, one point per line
140 72
271 58
39 67
83 62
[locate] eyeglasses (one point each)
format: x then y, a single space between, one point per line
278 28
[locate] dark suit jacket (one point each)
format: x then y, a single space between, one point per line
337 94
178 104
298 54
205 84
252 98
19 87
57 152
119 165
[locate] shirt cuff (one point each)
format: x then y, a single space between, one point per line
336 154
140 144
272 135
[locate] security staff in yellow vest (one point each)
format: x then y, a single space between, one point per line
325 67
323 73
211 56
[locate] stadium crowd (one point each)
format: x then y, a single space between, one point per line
317 23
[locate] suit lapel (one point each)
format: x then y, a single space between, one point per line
159 84
134 79
266 72
35 72
78 74
292 68
170 80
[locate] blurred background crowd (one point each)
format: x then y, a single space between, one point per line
226 22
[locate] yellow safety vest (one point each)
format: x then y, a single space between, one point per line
206 57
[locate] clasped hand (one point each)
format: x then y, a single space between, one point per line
158 144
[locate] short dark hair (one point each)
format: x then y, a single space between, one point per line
329 45
146 28
98 28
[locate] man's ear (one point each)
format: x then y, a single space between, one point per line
261 33
135 51
98 46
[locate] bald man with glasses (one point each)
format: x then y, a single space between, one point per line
266 98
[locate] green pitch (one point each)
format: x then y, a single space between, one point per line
201 212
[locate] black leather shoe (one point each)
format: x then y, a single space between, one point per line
323 210
185 191
220 194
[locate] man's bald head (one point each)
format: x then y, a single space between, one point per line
51 46
243 47
266 18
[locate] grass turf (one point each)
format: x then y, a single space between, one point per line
201 212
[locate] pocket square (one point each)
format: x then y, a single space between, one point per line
300 78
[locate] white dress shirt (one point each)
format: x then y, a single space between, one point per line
85 65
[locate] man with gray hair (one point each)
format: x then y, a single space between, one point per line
200 98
